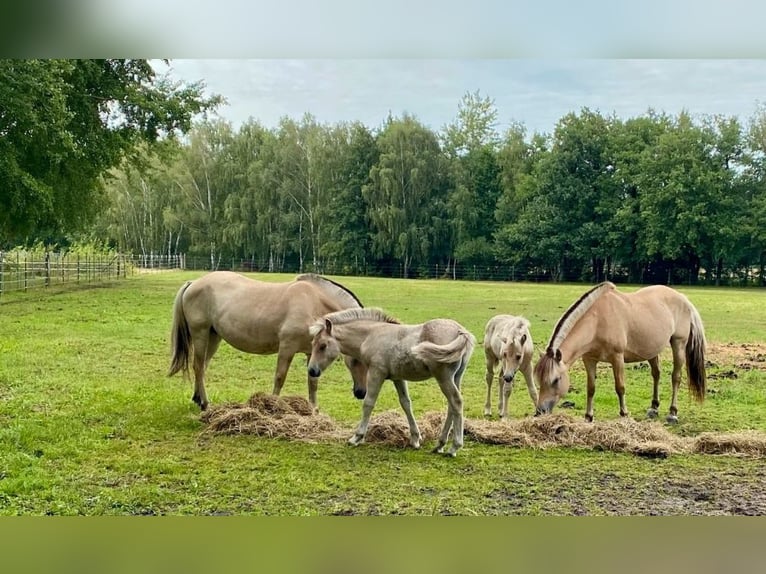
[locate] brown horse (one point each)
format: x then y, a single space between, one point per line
254 317
507 342
605 325
439 348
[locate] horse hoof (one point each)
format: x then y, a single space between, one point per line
450 454
672 419
355 440
438 449
588 418
652 414
415 443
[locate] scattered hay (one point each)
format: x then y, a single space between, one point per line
751 443
293 418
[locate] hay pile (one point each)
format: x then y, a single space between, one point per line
293 418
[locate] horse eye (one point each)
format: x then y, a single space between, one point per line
518 357
555 381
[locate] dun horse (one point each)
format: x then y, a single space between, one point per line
507 341
254 317
440 348
605 325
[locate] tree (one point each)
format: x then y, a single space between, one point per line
347 232
406 194
64 123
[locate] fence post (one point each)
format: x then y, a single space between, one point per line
25 273
47 268
2 269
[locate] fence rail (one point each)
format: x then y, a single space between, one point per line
20 271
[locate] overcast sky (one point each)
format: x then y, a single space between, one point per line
534 92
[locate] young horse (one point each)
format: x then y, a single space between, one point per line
252 316
507 341
439 348
605 325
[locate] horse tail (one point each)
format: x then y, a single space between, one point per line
461 347
695 355
180 335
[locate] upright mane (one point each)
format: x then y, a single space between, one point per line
575 311
351 315
330 287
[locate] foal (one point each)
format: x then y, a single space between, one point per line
507 341
439 348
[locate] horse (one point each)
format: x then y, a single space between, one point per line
605 325
507 341
439 348
252 316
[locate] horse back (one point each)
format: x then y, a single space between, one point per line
254 316
639 324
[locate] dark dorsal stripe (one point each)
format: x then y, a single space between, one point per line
313 277
574 307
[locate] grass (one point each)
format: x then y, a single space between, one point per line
90 424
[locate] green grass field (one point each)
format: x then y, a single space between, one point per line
90 424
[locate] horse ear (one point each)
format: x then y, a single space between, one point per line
523 338
328 326
549 352
558 355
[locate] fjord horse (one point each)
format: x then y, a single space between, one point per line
439 348
605 325
508 342
253 316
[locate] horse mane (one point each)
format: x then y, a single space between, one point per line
330 286
575 311
350 315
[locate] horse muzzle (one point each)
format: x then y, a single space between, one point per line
508 378
360 393
314 372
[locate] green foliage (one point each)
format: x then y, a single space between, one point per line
64 123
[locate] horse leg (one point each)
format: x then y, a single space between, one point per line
678 346
404 401
529 379
313 384
454 420
654 363
373 388
205 345
618 369
491 362
590 370
505 396
284 358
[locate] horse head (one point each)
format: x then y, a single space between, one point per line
511 356
325 348
552 376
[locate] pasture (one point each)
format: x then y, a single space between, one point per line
90 423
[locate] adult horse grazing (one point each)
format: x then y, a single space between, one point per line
507 341
439 348
605 325
252 316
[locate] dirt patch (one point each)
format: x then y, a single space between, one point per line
744 356
293 418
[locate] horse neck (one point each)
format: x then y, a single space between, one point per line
577 342
350 336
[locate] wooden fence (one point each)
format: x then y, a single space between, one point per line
22 271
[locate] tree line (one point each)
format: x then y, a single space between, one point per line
653 198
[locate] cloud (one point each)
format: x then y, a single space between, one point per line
534 92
